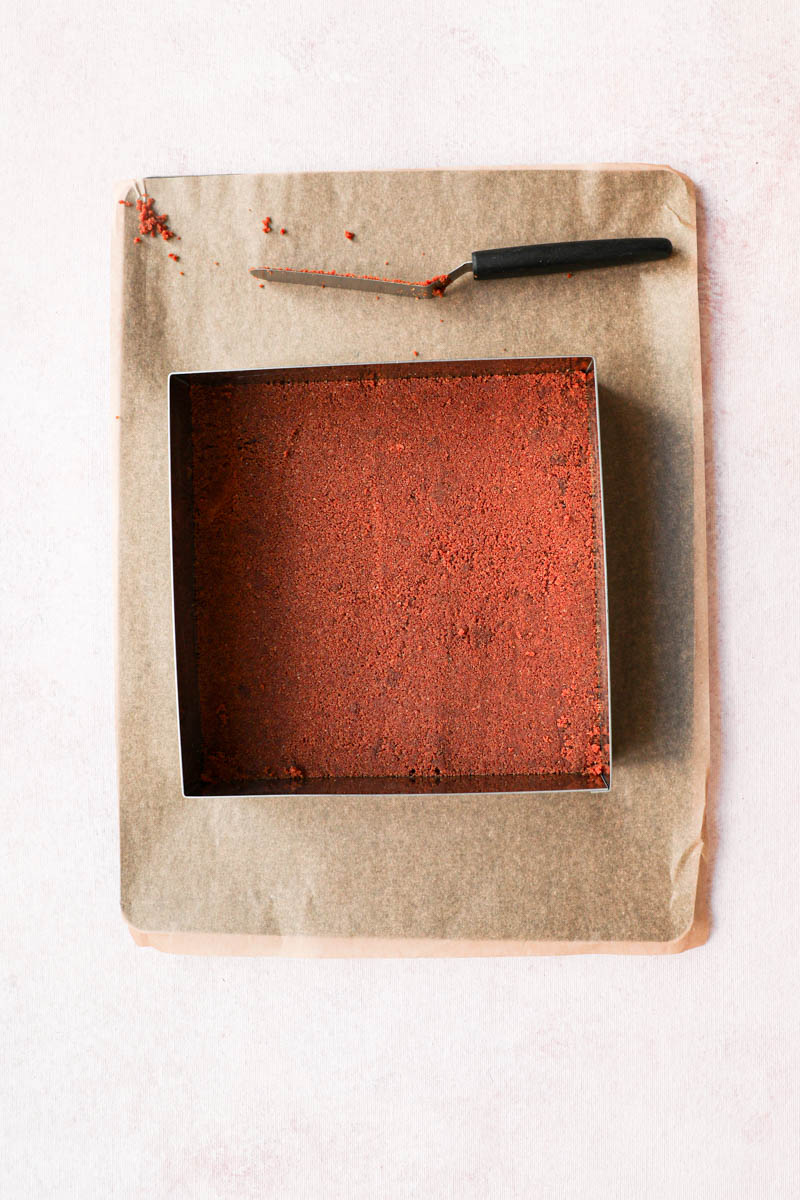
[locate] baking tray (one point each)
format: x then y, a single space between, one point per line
184 600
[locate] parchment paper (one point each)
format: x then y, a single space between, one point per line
515 874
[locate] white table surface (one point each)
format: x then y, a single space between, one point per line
126 1073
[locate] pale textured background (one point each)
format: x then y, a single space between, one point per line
130 1074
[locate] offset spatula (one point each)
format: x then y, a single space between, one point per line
547 259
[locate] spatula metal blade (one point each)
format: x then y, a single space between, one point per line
362 283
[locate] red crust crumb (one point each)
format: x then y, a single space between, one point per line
151 223
411 591
439 284
349 235
266 224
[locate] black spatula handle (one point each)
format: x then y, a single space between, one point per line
552 257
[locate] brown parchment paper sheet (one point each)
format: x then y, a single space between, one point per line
444 875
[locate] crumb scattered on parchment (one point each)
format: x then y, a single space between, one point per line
151 223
